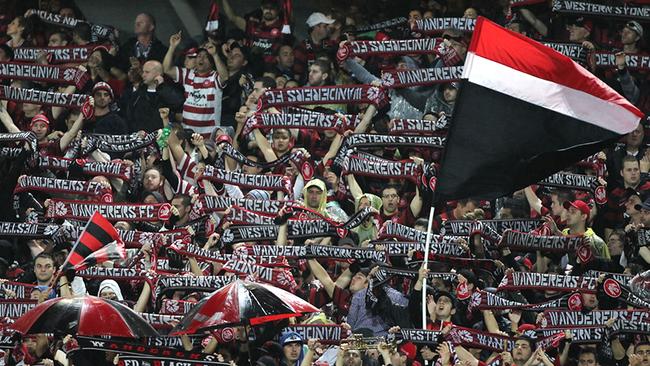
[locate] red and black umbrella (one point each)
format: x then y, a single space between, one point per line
86 316
243 303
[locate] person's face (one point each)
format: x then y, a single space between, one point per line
628 36
183 210
590 301
152 180
390 200
251 169
269 13
40 129
470 13
44 269
150 200
352 358
286 57
320 31
466 208
292 352
236 60
331 177
314 195
67 12
359 282
102 98
14 28
414 15
56 41
203 62
363 203
587 359
280 82
577 33
615 245
556 207
35 294
450 94
522 351
630 203
644 352
505 213
444 308
316 76
631 173
108 294
142 25
635 138
149 73
574 216
95 59
427 353
645 217
281 141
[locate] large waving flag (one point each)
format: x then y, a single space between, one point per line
524 112
98 243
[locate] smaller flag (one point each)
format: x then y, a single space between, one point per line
287 8
212 23
98 243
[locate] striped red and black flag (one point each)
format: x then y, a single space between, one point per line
98 243
523 113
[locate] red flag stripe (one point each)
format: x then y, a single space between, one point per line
518 53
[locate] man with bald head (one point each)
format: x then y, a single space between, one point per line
143 101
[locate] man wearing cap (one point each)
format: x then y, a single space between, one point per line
292 349
580 29
315 196
317 42
264 28
106 121
631 36
152 94
578 213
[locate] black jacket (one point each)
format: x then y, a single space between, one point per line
142 106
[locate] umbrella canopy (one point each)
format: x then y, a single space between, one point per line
243 303
86 316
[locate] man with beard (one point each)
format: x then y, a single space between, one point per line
266 33
391 206
106 121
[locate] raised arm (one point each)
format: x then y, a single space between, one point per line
6 120
76 127
265 146
168 61
321 274
222 70
233 17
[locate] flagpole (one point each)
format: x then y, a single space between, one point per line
426 265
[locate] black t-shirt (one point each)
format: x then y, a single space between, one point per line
110 124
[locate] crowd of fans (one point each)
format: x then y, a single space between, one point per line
194 98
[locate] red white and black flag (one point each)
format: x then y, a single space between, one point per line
212 23
98 243
524 112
